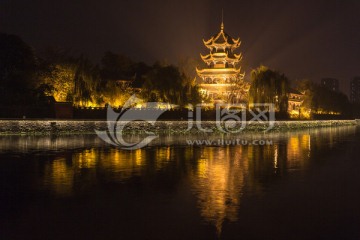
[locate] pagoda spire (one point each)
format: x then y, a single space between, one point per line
222 19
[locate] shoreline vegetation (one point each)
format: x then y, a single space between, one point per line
73 127
61 84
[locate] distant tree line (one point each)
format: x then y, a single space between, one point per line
29 78
269 86
322 100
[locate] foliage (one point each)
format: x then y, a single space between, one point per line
119 76
188 66
116 93
322 100
306 87
59 77
239 91
268 86
167 84
17 70
116 66
86 80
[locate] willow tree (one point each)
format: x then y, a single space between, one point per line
167 84
86 81
269 86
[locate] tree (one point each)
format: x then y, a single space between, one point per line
167 84
268 86
115 93
322 100
73 79
60 77
239 91
325 101
116 66
18 65
86 82
117 74
193 93
188 66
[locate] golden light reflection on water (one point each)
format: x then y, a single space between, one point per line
219 176
222 174
163 155
298 151
217 182
119 165
85 159
59 177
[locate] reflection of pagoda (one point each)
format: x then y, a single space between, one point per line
221 78
218 184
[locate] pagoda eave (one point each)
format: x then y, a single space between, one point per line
213 76
221 45
218 71
215 85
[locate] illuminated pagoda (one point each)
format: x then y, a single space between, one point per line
220 80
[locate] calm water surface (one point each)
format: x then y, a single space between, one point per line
306 185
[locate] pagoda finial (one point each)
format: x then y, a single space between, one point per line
222 19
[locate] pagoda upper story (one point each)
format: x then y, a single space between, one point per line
222 60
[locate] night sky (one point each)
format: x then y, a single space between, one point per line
303 39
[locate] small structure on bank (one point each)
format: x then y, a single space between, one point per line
295 100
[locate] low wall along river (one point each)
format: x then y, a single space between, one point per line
46 127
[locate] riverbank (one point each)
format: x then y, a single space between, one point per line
60 127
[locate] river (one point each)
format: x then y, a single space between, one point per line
300 185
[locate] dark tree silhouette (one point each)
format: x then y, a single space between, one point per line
167 84
17 69
116 67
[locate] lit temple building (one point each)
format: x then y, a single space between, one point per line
222 81
295 100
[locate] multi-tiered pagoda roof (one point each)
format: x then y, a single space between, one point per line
221 60
222 40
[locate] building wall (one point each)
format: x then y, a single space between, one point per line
295 101
355 90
